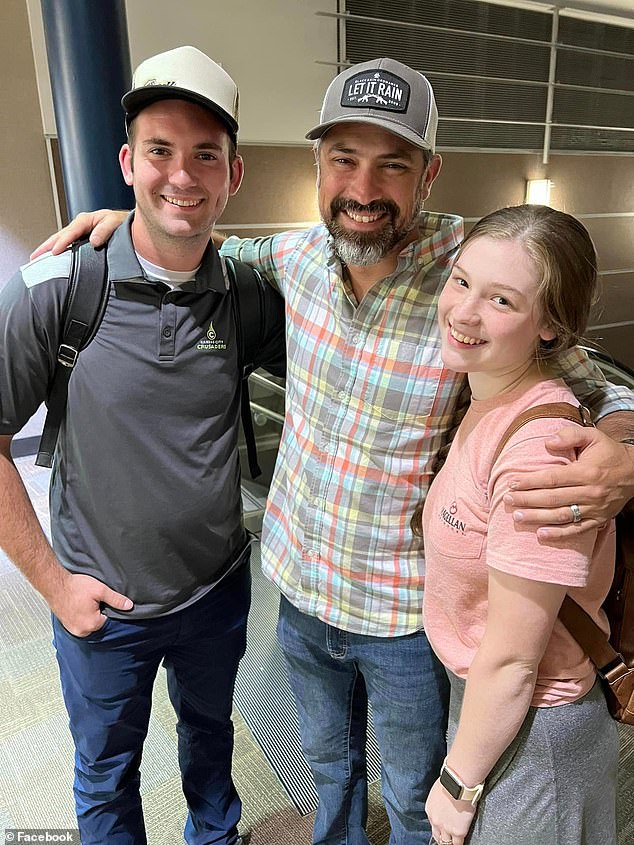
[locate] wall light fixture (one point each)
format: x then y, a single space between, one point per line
538 191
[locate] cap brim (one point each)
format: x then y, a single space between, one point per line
134 101
392 126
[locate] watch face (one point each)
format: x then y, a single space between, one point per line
450 784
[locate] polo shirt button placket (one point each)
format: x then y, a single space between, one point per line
167 330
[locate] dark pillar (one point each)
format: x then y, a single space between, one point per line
89 64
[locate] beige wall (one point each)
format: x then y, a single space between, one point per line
272 48
26 203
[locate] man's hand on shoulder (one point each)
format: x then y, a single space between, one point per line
78 603
599 483
98 224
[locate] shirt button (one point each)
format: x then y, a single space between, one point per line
342 394
356 339
167 332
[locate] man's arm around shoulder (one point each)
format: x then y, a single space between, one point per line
600 482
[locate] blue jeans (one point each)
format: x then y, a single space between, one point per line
107 679
333 674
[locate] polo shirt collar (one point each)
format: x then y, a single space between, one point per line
123 264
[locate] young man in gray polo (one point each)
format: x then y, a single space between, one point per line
369 407
149 555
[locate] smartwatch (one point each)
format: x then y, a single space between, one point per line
456 788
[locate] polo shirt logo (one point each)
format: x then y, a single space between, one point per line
377 89
210 342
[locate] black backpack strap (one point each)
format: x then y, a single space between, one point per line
246 287
83 309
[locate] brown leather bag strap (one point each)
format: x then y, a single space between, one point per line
564 410
585 631
588 634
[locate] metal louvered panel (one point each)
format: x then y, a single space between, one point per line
457 52
599 36
492 100
459 14
494 136
591 140
594 109
483 66
598 71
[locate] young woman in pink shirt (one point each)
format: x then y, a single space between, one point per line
532 751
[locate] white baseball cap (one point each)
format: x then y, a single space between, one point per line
184 73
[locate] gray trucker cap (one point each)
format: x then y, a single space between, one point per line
386 93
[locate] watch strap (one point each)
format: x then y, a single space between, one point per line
457 789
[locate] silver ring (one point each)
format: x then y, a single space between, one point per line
576 513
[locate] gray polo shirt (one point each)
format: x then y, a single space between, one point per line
145 488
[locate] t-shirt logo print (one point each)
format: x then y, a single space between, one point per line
211 332
376 89
448 516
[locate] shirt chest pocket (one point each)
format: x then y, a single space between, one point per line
401 381
458 515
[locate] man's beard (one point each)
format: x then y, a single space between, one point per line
362 249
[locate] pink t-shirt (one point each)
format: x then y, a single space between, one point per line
467 528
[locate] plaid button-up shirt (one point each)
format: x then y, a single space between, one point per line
368 408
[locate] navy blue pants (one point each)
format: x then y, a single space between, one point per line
107 681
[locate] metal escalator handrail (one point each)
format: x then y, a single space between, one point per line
610 365
258 378
267 412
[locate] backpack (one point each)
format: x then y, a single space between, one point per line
83 310
613 657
